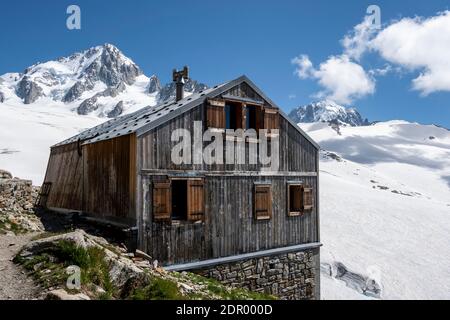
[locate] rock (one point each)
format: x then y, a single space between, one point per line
112 68
2 97
122 270
77 90
87 106
143 255
61 294
79 237
113 91
117 111
5 174
154 84
28 90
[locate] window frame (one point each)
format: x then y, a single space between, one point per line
294 213
190 183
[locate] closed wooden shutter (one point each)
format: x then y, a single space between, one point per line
263 202
215 114
271 119
308 202
161 201
195 205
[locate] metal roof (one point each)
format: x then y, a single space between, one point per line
148 118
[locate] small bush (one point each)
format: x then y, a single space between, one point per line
158 289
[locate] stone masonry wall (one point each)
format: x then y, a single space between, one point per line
17 198
16 194
290 276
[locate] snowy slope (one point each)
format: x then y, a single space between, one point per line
385 210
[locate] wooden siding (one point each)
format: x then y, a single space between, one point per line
65 173
110 177
230 226
296 153
101 182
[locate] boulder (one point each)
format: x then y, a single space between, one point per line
5 174
61 294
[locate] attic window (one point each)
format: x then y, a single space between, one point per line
233 115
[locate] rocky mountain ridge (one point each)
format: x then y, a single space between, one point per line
100 81
328 111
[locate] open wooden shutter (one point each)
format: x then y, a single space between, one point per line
195 210
262 202
271 119
215 114
308 202
161 201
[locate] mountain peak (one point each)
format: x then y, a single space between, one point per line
93 81
327 111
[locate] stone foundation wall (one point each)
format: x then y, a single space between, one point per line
290 276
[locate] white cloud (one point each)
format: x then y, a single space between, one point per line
304 66
342 80
356 42
419 44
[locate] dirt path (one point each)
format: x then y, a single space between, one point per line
14 283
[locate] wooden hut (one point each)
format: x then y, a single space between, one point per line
198 216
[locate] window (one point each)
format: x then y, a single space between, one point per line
178 200
300 199
295 200
253 117
262 202
233 115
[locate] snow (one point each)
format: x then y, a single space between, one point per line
385 208
27 132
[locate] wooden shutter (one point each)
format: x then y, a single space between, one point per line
308 202
161 201
215 114
271 119
195 205
262 202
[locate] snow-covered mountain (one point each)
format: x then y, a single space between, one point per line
385 210
327 111
100 81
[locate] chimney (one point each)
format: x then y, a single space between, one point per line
179 78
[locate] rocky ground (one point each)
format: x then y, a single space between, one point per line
14 282
44 255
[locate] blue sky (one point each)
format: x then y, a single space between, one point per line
221 40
